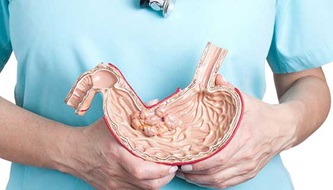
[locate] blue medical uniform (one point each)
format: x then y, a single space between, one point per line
54 41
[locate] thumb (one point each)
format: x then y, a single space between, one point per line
220 81
142 169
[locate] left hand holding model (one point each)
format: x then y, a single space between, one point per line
264 132
256 141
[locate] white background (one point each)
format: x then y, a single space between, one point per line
310 164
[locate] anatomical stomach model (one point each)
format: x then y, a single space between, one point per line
188 126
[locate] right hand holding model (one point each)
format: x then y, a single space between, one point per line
101 161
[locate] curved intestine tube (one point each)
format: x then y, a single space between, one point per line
190 125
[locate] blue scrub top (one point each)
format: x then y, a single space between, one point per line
55 41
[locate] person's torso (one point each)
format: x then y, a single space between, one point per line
55 41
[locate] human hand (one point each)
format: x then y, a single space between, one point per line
101 161
260 136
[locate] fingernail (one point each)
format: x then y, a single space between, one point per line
186 168
173 169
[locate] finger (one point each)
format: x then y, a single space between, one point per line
144 170
221 159
230 176
211 180
154 183
220 81
115 183
236 180
246 171
203 165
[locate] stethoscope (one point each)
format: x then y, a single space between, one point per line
166 6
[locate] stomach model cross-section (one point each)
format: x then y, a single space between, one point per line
190 125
